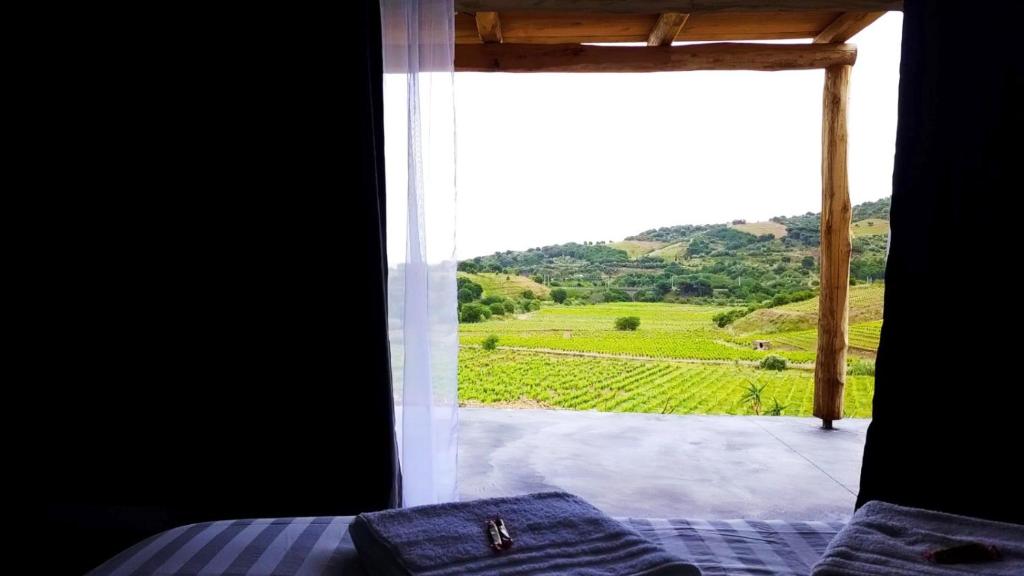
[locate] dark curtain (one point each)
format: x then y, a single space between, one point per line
948 403
215 340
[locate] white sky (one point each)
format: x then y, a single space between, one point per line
552 158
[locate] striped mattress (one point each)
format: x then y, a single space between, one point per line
322 547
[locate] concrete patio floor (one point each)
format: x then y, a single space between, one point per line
666 466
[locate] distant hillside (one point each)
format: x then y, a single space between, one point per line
753 264
759 228
865 306
506 285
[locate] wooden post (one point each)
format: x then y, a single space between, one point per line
830 369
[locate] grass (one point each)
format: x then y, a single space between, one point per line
671 252
759 228
507 285
865 306
672 331
637 248
507 377
870 227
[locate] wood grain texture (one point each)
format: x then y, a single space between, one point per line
687 6
583 27
833 304
718 56
664 32
488 25
846 26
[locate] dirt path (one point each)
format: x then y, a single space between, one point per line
792 365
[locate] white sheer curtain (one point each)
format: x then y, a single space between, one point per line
419 140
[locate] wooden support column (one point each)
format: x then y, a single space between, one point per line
833 316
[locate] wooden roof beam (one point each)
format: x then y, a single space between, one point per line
683 6
588 58
845 26
665 30
489 26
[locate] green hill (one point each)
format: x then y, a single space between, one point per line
507 285
739 264
865 306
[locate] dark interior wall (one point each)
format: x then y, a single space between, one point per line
946 430
215 342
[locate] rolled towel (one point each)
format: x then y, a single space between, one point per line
552 533
890 540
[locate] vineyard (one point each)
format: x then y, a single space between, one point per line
667 331
522 378
679 361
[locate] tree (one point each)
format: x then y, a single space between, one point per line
472 313
466 283
807 262
627 323
466 295
559 295
698 247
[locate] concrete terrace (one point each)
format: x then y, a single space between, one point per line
666 466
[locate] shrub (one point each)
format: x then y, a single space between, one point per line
559 295
510 307
533 305
752 395
773 362
627 323
498 308
466 295
776 408
528 294
486 311
473 287
490 343
472 313
488 300
861 367
723 319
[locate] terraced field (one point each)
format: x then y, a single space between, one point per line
517 378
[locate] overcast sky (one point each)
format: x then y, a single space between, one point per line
551 158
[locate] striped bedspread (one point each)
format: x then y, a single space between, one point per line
322 547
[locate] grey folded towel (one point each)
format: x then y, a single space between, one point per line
886 539
552 532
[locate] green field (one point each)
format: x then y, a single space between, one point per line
870 227
759 228
679 361
507 285
637 248
522 378
678 331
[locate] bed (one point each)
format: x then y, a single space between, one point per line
321 546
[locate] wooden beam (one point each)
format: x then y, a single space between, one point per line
585 58
846 26
664 32
685 6
833 314
489 27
